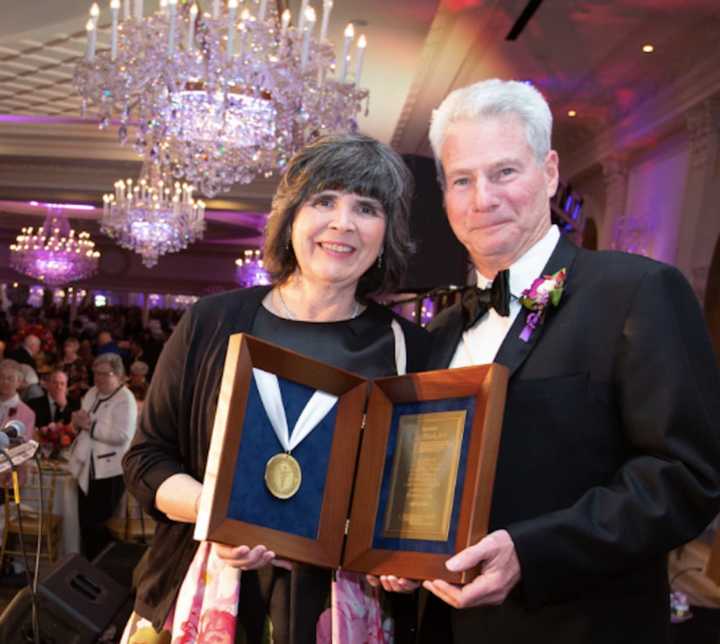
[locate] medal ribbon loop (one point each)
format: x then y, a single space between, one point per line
312 415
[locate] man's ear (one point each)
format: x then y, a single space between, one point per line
552 172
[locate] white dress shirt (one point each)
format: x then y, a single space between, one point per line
480 343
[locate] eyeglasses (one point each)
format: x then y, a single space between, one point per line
103 373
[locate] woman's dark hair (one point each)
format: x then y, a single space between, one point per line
350 163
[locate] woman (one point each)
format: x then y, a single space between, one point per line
106 420
338 231
75 368
11 407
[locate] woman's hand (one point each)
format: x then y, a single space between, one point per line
246 558
393 584
80 419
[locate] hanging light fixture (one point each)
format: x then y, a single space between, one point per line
154 215
218 97
250 270
53 253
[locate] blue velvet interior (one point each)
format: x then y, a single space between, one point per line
418 545
250 500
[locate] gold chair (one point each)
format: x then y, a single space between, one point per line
31 493
130 522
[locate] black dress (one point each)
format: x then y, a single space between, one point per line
293 601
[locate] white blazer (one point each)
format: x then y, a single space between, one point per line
114 419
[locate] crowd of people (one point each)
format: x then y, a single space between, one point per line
89 376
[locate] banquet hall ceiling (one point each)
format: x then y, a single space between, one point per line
584 55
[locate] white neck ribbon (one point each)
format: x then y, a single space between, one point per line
312 415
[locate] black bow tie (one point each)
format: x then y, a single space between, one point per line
476 301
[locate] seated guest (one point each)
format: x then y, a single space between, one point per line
30 386
26 352
137 382
11 407
54 406
106 423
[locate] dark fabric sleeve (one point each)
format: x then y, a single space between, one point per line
668 489
156 450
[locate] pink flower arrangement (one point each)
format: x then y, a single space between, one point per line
543 291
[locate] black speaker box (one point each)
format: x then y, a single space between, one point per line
76 603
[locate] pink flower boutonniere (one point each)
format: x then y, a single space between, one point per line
543 291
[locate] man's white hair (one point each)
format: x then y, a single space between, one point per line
495 97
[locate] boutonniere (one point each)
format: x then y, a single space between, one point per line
543 291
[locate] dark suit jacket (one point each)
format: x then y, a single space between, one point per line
41 407
22 356
609 456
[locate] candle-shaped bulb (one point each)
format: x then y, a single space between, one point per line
232 8
327 8
91 35
114 11
245 15
359 55
191 28
94 11
349 35
285 21
310 18
262 10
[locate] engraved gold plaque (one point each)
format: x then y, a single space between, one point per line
283 476
424 475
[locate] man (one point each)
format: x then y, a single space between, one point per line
610 451
26 352
54 406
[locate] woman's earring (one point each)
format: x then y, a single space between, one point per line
379 260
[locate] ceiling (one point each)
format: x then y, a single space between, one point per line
583 55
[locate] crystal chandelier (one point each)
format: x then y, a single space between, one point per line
218 97
250 270
53 253
154 215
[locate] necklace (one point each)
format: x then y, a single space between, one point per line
291 316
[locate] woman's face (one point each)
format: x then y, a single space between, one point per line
106 380
336 237
70 349
9 382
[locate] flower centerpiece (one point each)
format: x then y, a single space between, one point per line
55 437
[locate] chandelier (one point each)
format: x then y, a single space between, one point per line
217 97
250 270
53 253
154 215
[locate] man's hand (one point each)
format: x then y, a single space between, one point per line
393 584
500 573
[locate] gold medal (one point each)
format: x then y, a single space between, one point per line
283 476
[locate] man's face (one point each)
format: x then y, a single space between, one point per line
496 192
57 385
103 338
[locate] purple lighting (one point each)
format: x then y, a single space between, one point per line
53 253
250 270
62 206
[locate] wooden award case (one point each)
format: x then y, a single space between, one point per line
345 534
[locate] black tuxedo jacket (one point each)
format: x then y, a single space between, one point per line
609 456
41 407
